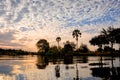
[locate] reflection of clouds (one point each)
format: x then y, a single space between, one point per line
16 69
5 69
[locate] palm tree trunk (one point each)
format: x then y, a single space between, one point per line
58 51
58 46
77 43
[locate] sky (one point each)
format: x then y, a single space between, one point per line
24 22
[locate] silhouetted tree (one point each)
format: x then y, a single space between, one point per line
99 41
71 43
117 36
76 33
58 39
110 36
53 51
83 48
42 45
68 54
67 49
107 49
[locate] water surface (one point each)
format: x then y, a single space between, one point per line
40 68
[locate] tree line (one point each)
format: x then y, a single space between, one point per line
107 39
69 47
14 52
105 42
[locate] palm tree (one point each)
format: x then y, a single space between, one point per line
76 33
109 34
58 39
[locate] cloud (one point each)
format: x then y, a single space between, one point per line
6 39
72 12
35 19
6 36
11 44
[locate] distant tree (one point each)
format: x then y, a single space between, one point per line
76 33
53 51
42 45
67 49
58 39
71 43
83 48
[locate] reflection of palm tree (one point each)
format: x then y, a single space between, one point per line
77 73
57 70
76 33
58 39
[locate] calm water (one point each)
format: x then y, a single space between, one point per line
40 68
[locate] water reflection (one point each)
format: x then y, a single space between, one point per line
5 69
42 62
44 68
68 59
106 73
57 70
81 59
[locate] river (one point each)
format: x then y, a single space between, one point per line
39 68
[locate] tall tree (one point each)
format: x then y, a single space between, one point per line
58 39
42 45
110 36
76 33
117 36
99 40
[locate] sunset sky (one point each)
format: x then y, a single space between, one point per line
24 22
